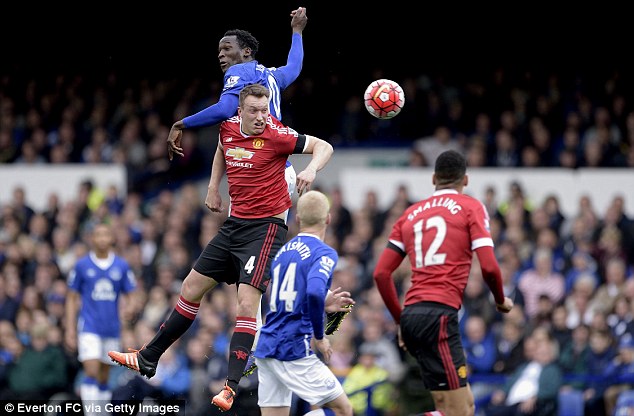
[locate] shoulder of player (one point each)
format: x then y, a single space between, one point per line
277 126
470 201
237 76
241 68
230 123
121 260
323 249
83 260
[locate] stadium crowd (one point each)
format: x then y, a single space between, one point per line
572 278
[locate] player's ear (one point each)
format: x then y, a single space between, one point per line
433 179
246 52
465 180
328 219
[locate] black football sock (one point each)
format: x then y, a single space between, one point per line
173 328
240 349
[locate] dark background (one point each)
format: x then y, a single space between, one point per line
347 45
397 37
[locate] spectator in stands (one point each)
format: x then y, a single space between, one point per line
479 346
548 238
559 325
506 154
476 300
510 269
341 222
621 372
387 354
574 356
40 370
556 218
441 140
510 347
541 280
544 312
21 208
621 318
614 285
373 212
344 350
578 303
602 352
533 388
10 350
367 373
582 263
8 306
198 398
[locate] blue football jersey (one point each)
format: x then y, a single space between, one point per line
99 283
240 75
287 333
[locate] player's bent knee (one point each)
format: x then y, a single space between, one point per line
454 402
341 406
248 300
195 286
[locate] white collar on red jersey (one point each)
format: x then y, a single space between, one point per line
444 192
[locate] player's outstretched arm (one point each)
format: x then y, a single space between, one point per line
212 115
288 73
322 152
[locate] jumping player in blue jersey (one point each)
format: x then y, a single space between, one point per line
97 283
301 274
236 53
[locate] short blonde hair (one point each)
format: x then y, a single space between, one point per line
313 208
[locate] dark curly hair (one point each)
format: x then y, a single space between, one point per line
451 166
245 40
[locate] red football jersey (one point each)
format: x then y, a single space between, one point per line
439 235
255 167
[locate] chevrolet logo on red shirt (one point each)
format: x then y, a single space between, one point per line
240 153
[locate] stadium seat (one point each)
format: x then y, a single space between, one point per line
624 404
570 403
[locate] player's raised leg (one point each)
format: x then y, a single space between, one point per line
145 360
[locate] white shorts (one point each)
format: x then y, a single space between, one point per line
309 378
94 347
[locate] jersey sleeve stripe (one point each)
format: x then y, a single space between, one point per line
398 244
481 242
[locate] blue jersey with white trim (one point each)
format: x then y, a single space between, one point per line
100 283
241 75
304 263
276 79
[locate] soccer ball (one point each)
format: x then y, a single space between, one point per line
384 99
